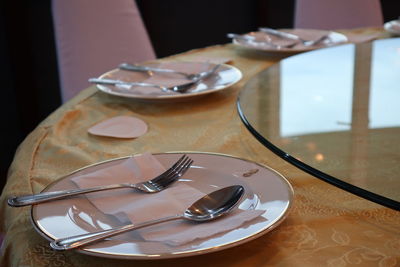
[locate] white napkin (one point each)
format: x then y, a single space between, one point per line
129 206
182 232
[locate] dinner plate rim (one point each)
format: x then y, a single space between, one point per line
295 50
388 28
195 252
166 97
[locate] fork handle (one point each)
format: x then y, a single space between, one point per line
47 196
118 82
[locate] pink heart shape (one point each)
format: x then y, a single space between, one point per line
120 127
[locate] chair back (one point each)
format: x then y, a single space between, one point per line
337 14
94 36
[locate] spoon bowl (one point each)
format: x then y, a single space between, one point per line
215 204
209 207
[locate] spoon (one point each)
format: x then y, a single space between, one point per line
291 36
207 208
181 88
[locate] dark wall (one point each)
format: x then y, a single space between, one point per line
29 77
175 26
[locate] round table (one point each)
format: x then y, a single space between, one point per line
335 114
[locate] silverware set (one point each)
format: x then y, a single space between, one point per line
181 88
209 207
295 39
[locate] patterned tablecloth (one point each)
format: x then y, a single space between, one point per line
325 227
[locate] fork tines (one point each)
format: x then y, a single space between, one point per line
174 172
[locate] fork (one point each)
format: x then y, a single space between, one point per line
249 38
291 36
152 186
140 68
181 88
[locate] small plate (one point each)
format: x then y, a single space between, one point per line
225 76
393 27
266 190
334 38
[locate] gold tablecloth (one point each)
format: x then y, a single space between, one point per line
325 227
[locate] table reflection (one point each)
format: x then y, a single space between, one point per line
334 113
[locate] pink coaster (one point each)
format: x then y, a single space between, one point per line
120 127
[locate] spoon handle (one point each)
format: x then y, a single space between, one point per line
80 240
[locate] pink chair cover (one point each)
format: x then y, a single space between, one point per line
94 36
337 14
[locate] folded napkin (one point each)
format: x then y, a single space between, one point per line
264 39
130 206
182 232
120 127
309 35
171 79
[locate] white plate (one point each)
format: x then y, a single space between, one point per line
266 190
393 27
334 38
225 76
